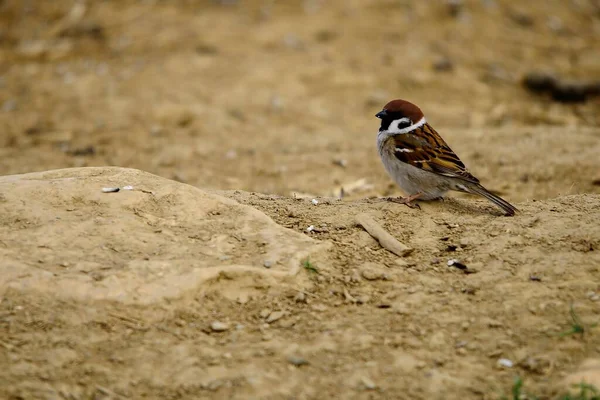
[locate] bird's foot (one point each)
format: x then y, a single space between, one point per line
407 201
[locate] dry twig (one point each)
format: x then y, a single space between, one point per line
386 240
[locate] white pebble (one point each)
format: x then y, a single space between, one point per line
128 187
505 362
310 228
451 262
369 384
110 190
218 326
315 201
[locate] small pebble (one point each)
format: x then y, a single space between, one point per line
505 362
218 326
368 382
457 264
300 297
443 65
453 261
268 264
310 228
315 201
275 315
128 187
156 130
341 162
231 154
297 361
110 190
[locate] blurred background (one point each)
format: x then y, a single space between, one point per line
280 96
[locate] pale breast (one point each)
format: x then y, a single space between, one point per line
410 179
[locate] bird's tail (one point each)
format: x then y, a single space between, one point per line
508 208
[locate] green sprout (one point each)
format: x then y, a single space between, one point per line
577 326
310 267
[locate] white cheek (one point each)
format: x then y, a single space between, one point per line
394 125
394 130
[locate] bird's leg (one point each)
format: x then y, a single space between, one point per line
408 201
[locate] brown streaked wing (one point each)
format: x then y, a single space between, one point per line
425 149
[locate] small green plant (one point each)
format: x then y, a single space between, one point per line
517 391
310 267
577 326
586 392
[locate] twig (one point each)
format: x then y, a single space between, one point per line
386 240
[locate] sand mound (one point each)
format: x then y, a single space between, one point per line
60 233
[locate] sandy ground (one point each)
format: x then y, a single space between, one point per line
195 284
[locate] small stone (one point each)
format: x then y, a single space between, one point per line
363 299
505 363
156 130
243 298
110 189
231 154
492 323
297 360
300 297
274 316
218 326
355 276
341 162
373 271
401 263
314 201
593 296
287 323
443 64
368 383
319 307
268 263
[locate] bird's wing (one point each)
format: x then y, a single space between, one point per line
425 149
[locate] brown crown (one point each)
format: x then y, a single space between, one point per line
405 108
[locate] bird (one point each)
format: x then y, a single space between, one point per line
419 160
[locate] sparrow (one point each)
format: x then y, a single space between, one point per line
420 161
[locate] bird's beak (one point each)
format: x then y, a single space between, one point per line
381 114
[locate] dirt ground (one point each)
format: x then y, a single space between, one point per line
169 291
